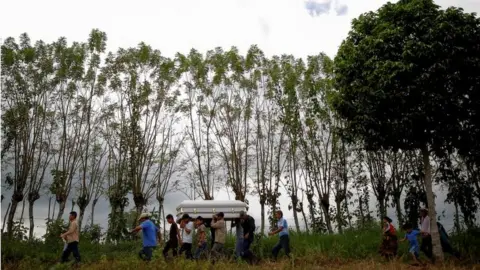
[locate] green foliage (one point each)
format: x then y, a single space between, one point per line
401 75
353 244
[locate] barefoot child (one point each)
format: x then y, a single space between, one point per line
411 236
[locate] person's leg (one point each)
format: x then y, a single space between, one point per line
141 253
285 241
246 248
276 249
424 247
148 251
66 253
198 251
75 251
175 249
166 249
182 249
188 251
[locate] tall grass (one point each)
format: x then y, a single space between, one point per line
353 246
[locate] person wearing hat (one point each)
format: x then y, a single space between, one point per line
218 224
201 237
150 235
248 225
187 236
426 246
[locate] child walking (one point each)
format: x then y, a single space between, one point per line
411 236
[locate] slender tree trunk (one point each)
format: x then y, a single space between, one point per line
23 211
11 216
61 209
339 216
349 217
437 248
398 208
32 221
295 217
53 212
382 206
457 218
94 203
80 217
305 220
326 214
262 216
5 217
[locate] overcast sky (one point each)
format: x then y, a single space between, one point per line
277 26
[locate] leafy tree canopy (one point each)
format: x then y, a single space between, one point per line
406 75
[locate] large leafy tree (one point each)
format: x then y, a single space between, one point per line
403 74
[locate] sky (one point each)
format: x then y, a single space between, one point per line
295 27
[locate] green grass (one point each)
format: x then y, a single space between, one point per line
353 246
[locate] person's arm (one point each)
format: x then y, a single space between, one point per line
279 229
215 224
179 237
71 229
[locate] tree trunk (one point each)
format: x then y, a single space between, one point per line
326 214
30 217
262 216
305 220
295 217
381 205
11 216
23 211
339 217
80 217
139 212
53 212
457 218
398 208
5 217
61 209
437 248
94 203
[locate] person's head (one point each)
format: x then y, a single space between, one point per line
144 217
199 221
220 215
407 227
423 212
243 215
73 216
387 219
185 218
278 214
170 219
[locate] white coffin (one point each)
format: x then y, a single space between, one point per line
230 209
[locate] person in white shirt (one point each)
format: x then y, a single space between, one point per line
187 228
426 246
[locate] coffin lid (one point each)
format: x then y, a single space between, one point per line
211 204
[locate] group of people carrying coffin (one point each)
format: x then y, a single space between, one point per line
189 231
390 241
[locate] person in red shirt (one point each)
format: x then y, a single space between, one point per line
389 246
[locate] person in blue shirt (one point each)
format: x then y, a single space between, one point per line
411 235
282 230
150 235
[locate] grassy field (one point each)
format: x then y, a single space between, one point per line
355 249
